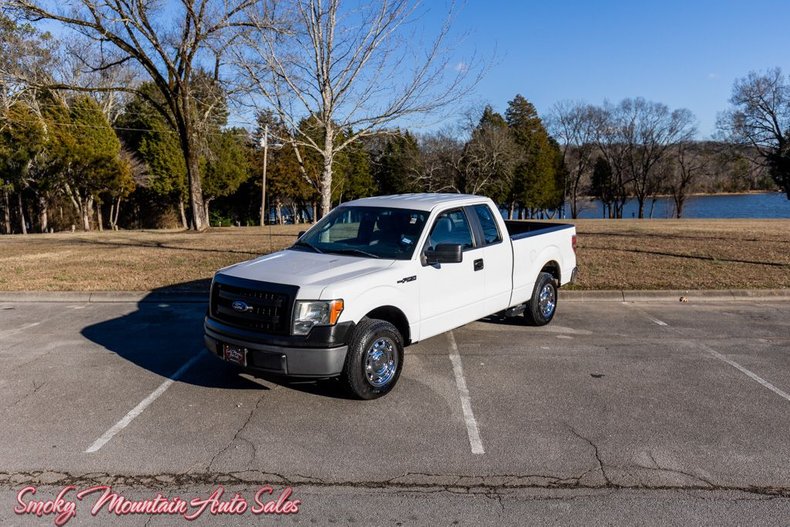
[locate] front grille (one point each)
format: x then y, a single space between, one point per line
269 305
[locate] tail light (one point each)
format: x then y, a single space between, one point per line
573 243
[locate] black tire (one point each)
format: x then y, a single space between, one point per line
379 343
540 313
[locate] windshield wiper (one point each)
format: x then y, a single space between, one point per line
302 243
356 251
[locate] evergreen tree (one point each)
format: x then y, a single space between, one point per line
489 158
22 137
91 157
534 178
226 165
353 175
395 164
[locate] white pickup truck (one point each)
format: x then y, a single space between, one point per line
378 274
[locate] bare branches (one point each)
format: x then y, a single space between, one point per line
634 137
354 71
173 53
760 117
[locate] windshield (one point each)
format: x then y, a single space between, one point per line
368 232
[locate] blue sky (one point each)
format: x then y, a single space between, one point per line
684 54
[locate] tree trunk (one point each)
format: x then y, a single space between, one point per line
99 217
87 206
206 204
574 204
196 197
641 202
279 213
114 219
21 213
6 213
679 202
192 158
510 210
183 213
43 217
326 182
315 212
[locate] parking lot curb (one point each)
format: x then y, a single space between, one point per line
572 295
175 297
677 295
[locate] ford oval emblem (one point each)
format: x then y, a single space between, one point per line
240 306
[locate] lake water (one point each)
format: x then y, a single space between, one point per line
764 205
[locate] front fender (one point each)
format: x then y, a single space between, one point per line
403 297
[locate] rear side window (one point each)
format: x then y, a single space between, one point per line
488 223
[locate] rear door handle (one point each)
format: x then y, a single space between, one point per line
478 264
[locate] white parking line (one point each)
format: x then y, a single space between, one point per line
466 402
753 376
137 410
654 320
745 371
9 332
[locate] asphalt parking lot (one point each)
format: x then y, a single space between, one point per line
623 413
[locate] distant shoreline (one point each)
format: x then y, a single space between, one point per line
694 194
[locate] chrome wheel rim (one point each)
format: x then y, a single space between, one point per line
547 301
381 362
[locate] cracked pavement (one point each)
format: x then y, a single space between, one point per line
604 416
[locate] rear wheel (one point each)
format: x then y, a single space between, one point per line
543 304
374 360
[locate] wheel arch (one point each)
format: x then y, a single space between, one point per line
553 268
394 316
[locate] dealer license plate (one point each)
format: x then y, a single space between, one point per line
235 354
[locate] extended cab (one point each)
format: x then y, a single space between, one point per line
377 274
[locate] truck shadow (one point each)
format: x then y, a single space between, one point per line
165 330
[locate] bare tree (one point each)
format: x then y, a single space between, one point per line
171 42
572 124
614 154
637 135
353 70
760 117
689 161
440 162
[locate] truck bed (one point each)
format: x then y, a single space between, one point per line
523 229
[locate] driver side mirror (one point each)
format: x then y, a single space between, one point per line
301 233
445 253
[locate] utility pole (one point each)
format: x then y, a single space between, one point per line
265 145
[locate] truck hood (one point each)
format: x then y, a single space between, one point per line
302 268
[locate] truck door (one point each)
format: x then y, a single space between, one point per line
497 258
451 295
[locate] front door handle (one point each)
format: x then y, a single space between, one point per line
478 264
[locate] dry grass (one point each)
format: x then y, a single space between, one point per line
131 260
684 254
626 254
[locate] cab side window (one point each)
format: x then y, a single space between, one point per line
491 233
451 227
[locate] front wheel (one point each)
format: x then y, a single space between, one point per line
374 360
543 304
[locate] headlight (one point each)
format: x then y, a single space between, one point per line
308 314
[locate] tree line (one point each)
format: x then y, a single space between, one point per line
126 122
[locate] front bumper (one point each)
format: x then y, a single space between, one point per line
320 354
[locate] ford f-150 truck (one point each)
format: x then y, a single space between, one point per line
378 274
